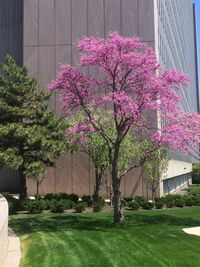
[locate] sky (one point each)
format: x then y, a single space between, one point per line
197 3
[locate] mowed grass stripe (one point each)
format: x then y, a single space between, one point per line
146 239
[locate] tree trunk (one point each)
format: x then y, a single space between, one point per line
118 215
23 187
97 186
37 188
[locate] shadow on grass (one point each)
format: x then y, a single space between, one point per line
52 223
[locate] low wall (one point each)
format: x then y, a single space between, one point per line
3 229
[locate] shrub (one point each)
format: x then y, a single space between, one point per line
188 201
63 196
170 203
7 196
57 206
37 206
128 199
13 206
140 200
73 197
133 205
25 204
88 200
179 202
68 204
147 205
196 200
98 205
49 196
159 204
194 190
79 207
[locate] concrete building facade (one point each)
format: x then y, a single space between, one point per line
47 31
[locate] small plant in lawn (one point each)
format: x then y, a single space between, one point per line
133 205
79 207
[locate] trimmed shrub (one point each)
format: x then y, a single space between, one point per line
13 206
7 196
68 204
128 199
88 200
63 196
57 206
133 205
25 204
159 204
79 207
179 202
49 196
73 197
37 206
188 201
98 205
140 200
147 205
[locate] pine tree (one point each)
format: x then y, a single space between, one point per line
32 137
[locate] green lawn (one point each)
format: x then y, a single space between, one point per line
146 239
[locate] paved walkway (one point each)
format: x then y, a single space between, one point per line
14 250
192 230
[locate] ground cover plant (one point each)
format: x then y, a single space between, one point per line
146 238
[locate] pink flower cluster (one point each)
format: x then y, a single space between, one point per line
132 87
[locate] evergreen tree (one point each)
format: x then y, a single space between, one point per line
31 136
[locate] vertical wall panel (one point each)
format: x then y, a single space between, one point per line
146 19
63 21
81 182
130 25
31 22
31 60
112 16
79 19
63 55
63 174
46 22
96 18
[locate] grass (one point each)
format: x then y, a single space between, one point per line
145 239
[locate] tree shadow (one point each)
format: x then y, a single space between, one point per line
52 223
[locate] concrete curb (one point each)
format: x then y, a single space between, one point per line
14 250
192 231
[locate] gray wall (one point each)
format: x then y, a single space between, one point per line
11 42
11 29
51 29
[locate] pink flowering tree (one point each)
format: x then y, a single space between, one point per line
133 88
